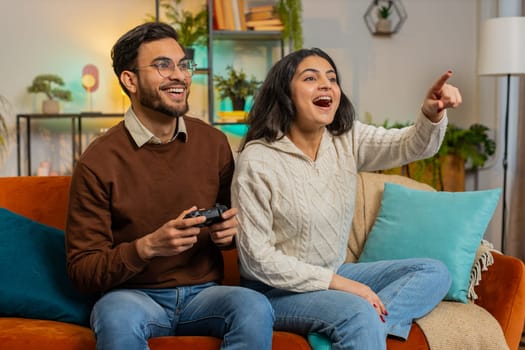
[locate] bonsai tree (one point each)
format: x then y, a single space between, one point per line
192 28
236 86
46 83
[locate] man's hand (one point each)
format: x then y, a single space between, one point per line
223 232
172 238
440 97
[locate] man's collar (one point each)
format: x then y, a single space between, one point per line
141 135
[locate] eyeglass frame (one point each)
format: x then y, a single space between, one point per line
171 66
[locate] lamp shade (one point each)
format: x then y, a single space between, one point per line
502 46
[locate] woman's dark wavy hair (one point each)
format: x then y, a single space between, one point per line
273 110
125 51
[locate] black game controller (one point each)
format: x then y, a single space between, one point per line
213 215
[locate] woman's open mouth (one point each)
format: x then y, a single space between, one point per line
323 101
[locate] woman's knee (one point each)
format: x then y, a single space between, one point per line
437 272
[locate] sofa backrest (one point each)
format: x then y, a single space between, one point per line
43 199
369 191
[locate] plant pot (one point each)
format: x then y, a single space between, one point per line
189 52
384 26
50 107
238 103
453 171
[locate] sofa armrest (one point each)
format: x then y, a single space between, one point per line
502 293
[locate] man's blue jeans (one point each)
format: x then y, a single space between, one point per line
409 289
124 319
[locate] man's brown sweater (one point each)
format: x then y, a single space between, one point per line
120 192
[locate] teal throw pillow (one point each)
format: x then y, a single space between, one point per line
33 277
446 226
319 342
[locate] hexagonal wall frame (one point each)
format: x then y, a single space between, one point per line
391 25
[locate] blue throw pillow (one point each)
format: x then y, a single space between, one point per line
319 342
446 226
33 277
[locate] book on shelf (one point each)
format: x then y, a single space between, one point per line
257 13
262 8
273 24
268 28
229 14
242 14
229 23
218 15
265 22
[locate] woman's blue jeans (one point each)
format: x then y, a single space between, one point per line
409 289
125 319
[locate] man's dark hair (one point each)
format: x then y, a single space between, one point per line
124 52
273 110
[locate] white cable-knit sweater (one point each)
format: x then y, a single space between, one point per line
295 213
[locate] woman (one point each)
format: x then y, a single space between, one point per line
295 189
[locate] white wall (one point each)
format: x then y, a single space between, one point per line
61 37
385 76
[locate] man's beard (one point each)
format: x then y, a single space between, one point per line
151 99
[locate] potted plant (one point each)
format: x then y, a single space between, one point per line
3 137
236 86
384 24
48 84
461 150
290 12
192 28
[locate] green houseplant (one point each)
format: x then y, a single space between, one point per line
5 110
384 11
3 137
192 28
49 84
290 13
236 86
461 149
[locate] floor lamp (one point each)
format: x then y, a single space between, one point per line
502 53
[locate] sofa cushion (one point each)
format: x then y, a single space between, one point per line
447 226
34 282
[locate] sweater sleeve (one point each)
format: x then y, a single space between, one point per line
94 265
260 257
377 148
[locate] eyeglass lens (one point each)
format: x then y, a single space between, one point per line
167 67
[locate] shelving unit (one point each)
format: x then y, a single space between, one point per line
252 51
64 123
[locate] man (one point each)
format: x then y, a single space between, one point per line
126 235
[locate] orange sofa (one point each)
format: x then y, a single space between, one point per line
44 199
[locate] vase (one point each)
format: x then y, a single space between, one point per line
50 107
384 26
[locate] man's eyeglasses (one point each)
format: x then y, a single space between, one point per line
166 67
